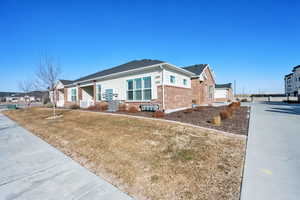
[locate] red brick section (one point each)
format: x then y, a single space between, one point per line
200 89
94 89
79 94
175 97
65 94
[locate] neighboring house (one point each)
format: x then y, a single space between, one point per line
59 92
203 84
141 82
292 82
223 92
34 96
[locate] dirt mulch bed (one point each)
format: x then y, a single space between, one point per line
148 159
238 124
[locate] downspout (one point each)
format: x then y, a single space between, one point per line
163 87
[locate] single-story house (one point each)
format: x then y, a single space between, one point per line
223 92
141 82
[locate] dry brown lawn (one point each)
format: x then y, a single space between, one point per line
146 159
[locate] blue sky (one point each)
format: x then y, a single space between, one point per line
253 42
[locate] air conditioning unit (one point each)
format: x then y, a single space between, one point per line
149 107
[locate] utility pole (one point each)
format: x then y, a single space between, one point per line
235 88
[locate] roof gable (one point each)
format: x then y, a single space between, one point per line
135 64
196 69
227 85
66 82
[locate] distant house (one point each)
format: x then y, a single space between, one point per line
223 92
141 82
292 82
15 97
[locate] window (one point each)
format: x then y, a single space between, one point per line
98 88
172 79
130 90
139 89
147 88
137 95
73 94
211 92
184 82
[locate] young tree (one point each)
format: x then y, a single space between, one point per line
47 76
26 87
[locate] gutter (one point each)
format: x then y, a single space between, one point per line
163 87
134 70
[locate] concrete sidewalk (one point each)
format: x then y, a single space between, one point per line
32 169
272 167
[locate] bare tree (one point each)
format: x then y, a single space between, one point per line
47 76
26 87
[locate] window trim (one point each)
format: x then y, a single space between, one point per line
174 81
73 89
141 89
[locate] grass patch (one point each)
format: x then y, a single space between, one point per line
147 159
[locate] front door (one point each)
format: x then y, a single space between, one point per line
109 94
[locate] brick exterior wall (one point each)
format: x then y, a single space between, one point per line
175 97
200 89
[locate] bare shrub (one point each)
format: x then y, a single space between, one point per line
73 106
133 109
189 110
216 120
224 114
158 114
103 106
93 108
122 107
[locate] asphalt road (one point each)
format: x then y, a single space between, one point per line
272 167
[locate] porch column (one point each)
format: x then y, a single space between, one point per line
65 94
94 91
79 94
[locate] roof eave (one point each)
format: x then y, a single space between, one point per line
114 74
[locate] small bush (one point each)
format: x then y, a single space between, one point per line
102 106
234 105
49 105
190 110
158 114
93 108
244 100
225 114
216 120
122 107
74 106
133 109
199 108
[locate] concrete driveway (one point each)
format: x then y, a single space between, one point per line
31 169
272 167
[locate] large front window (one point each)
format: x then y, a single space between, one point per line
139 89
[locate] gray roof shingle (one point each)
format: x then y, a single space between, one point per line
196 69
135 64
66 82
227 85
